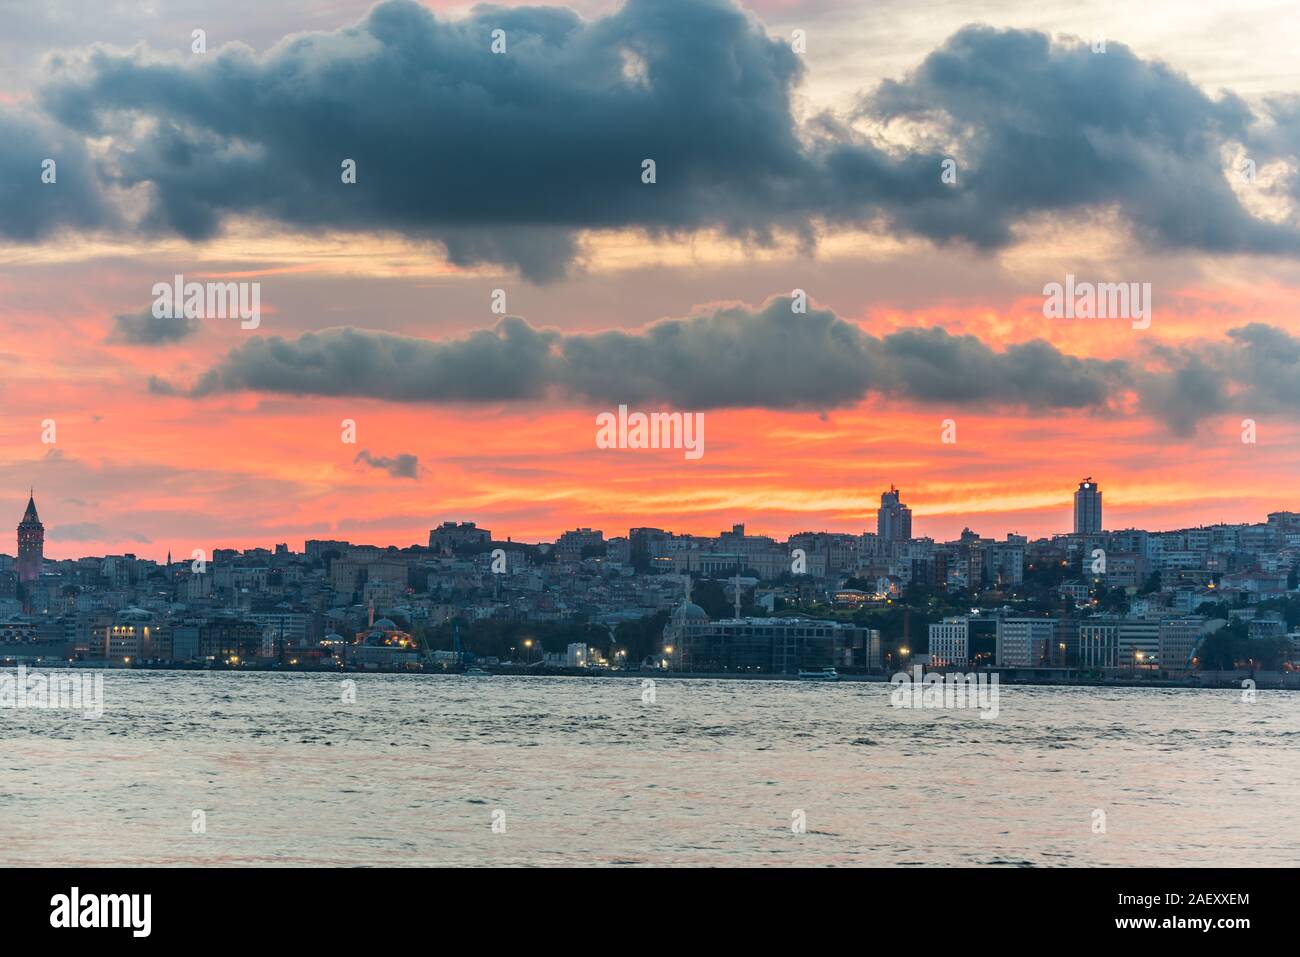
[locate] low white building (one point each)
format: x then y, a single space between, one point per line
1024 642
950 642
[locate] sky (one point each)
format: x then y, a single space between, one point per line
500 274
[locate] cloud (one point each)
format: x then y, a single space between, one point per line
146 329
1048 127
770 358
510 361
402 465
504 158
499 158
767 357
32 209
1256 372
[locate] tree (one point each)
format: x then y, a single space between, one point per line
641 638
710 596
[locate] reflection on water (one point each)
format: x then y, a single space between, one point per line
582 771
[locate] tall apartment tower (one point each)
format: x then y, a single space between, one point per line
1087 508
31 544
894 520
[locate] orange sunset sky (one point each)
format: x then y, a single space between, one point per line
778 170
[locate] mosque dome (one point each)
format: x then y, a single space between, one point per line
689 611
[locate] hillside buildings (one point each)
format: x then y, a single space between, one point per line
808 602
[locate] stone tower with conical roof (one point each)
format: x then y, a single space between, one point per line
31 543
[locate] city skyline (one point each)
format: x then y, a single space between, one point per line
892 495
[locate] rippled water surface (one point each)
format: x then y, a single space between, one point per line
585 772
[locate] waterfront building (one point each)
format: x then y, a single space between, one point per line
950 642
693 642
1099 643
1025 642
381 645
1139 642
1178 639
132 635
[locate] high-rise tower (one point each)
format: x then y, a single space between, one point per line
894 520
1087 508
31 544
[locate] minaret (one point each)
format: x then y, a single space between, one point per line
31 543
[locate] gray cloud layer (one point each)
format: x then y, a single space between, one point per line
765 358
501 158
736 357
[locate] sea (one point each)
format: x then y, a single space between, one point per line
367 770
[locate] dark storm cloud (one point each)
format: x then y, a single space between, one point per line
502 158
769 358
146 329
509 361
402 465
1045 127
31 209
499 157
1256 372
736 357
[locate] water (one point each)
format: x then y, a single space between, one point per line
584 772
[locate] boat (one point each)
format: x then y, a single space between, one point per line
474 671
825 674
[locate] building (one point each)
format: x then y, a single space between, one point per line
894 519
950 642
1126 570
31 544
230 640
317 548
133 635
450 535
1087 508
692 642
570 546
1179 639
1025 642
1262 627
382 645
1139 642
348 576
1099 643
